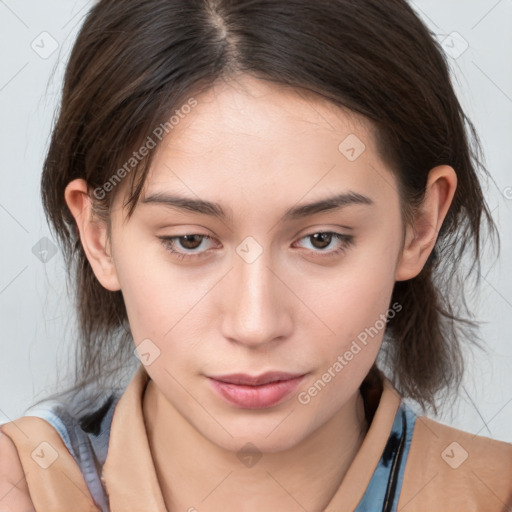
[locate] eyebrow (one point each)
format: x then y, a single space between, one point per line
214 209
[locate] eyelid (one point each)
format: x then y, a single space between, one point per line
169 241
345 240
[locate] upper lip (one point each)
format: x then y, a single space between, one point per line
250 380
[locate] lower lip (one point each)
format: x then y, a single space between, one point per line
256 397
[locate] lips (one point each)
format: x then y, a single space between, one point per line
255 392
257 380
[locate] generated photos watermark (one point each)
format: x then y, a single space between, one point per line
158 133
344 359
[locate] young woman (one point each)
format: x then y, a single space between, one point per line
269 202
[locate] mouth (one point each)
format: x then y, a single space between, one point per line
255 392
257 380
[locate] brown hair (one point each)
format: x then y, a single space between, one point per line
136 62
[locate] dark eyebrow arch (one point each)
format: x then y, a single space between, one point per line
330 203
297 212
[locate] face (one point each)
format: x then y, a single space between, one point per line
272 284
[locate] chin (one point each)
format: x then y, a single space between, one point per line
253 435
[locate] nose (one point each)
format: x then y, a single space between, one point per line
256 303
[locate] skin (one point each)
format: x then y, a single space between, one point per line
258 149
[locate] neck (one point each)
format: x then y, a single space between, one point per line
193 471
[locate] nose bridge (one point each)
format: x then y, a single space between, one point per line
255 312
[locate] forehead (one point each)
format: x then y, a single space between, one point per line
245 109
246 137
268 120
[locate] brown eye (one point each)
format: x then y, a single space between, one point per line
191 241
181 244
321 240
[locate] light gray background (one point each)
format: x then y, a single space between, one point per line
36 315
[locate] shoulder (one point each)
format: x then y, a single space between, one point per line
456 470
75 446
14 493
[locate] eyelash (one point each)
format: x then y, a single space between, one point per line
168 243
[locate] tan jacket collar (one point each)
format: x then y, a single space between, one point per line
130 475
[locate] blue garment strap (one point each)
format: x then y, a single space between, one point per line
86 439
383 491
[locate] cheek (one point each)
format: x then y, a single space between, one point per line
356 296
354 307
151 302
164 304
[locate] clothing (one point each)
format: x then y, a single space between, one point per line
86 439
405 462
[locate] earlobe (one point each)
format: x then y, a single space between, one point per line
421 236
93 234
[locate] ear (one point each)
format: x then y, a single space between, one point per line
93 234
421 236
